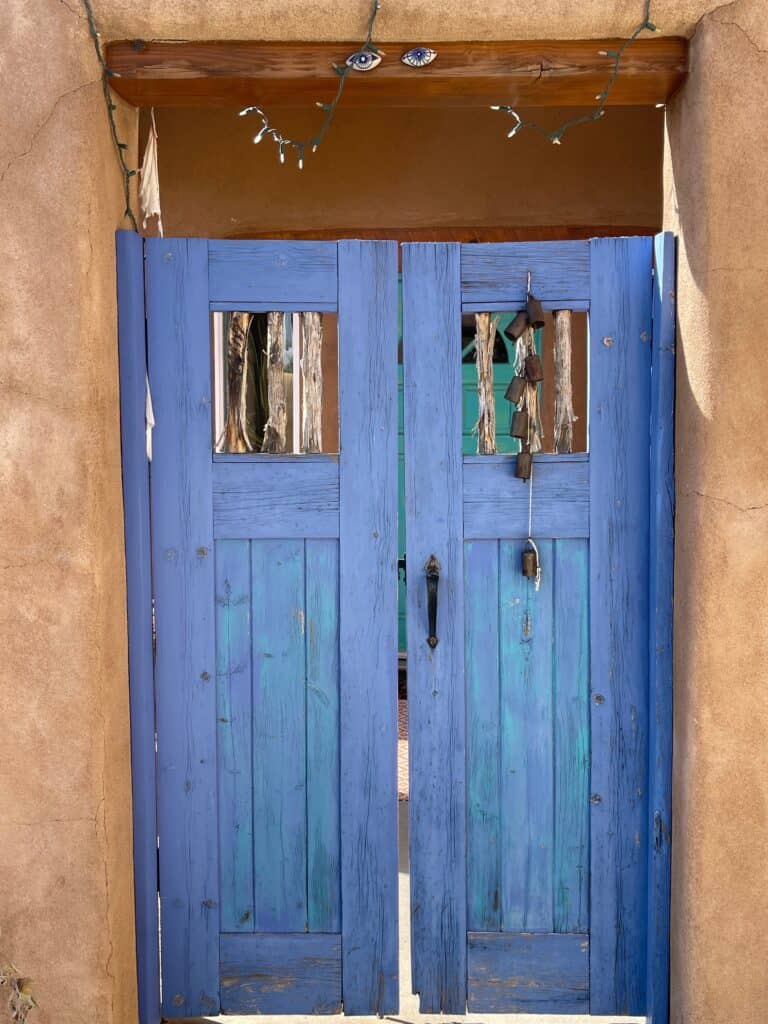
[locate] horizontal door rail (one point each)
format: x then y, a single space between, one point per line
496 503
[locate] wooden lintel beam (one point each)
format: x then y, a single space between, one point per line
527 74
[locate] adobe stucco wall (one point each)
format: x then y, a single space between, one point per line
65 873
716 198
66 901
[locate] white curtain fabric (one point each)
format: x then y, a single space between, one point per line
149 187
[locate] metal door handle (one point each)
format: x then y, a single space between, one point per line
432 572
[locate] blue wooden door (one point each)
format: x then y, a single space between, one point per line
539 804
275 586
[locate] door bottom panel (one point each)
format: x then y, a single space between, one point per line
527 972
280 973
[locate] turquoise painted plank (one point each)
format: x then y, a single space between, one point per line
571 726
322 642
300 273
528 973
620 331
662 560
185 665
368 623
281 974
235 740
296 497
481 666
131 341
497 273
436 696
527 812
279 736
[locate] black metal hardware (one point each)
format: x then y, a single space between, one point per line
401 569
432 572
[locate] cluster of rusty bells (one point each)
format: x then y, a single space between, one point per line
532 316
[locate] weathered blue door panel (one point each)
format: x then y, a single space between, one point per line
555 679
275 595
540 722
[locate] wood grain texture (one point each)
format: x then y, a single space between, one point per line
620 364
527 754
528 73
433 505
277 420
485 337
272 497
368 623
279 736
234 717
290 974
528 973
496 503
493 273
322 682
182 554
311 382
301 273
481 667
131 340
662 558
570 660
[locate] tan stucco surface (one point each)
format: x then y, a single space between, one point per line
716 198
66 901
65 866
387 169
421 20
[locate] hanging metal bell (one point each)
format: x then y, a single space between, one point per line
530 564
535 312
515 390
523 465
515 328
519 426
533 369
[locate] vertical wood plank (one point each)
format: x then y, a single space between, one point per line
322 640
182 550
485 336
235 741
368 623
279 736
571 723
619 409
527 815
311 382
276 425
131 340
564 417
436 697
661 609
481 661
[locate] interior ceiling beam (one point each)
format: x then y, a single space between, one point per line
526 74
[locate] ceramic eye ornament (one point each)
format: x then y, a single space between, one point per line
363 60
418 57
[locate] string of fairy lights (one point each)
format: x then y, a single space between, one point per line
555 136
368 51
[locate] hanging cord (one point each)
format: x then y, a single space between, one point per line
531 541
120 147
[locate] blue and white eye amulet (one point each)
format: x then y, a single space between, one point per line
363 60
418 57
